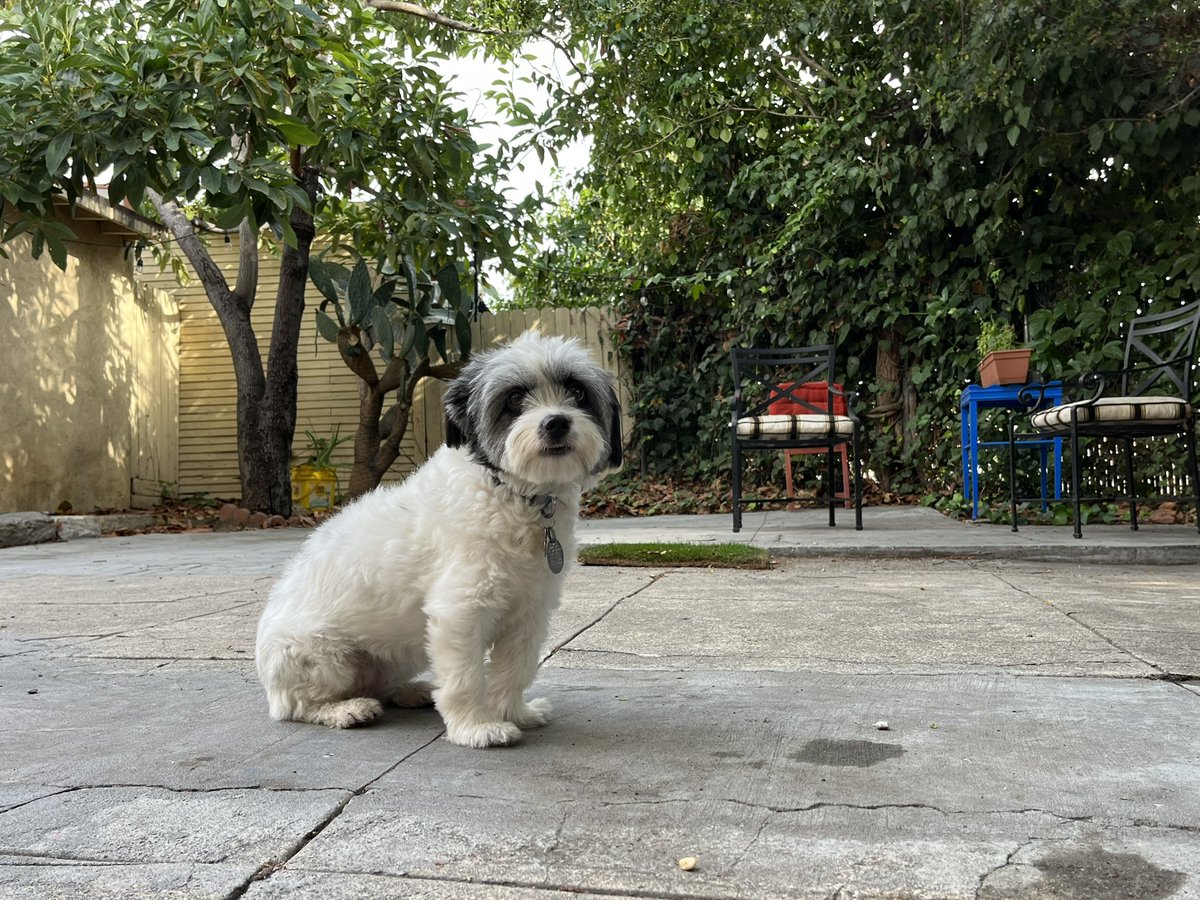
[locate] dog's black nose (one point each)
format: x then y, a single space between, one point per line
556 427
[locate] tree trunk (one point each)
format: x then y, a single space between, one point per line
264 459
377 439
888 406
896 405
363 476
266 431
266 397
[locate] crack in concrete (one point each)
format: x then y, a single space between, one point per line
16 856
93 637
72 789
548 887
273 865
825 804
1008 861
1073 618
558 831
653 579
555 841
1063 818
745 851
1142 823
1016 670
36 799
135 603
30 652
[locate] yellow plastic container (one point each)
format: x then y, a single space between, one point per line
313 488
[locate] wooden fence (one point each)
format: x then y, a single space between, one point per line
328 391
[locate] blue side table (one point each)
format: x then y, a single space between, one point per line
1003 396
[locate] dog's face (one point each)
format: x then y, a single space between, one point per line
539 409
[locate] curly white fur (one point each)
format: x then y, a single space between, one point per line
447 571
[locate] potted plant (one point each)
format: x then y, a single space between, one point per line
1002 362
315 481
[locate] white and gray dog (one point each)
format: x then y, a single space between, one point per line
456 570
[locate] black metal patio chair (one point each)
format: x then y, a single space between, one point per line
764 377
1149 396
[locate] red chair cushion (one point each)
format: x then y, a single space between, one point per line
814 392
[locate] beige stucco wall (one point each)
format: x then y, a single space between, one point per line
86 384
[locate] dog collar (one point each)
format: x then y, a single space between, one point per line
539 500
552 549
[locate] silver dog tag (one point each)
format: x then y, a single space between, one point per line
554 552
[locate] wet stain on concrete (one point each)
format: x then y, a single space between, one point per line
1094 874
859 754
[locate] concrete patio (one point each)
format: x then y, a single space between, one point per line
1041 741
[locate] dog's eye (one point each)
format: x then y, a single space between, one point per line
515 400
578 394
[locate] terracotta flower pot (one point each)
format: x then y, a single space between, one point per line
1004 367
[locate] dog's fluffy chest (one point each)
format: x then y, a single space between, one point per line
480 524
523 532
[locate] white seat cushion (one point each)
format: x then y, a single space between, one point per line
791 428
1114 410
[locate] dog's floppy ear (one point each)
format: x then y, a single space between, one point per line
458 422
614 432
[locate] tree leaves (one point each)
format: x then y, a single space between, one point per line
1042 173
327 327
360 294
381 326
293 130
221 107
56 152
435 320
447 279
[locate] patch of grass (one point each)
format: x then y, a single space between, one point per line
721 556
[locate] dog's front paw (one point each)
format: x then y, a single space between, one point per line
348 713
533 714
483 734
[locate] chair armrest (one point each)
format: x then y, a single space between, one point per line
851 397
1033 394
1091 385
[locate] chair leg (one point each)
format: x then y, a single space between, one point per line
1193 469
858 483
737 487
1075 477
1042 458
787 474
1131 486
829 484
1012 474
844 493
